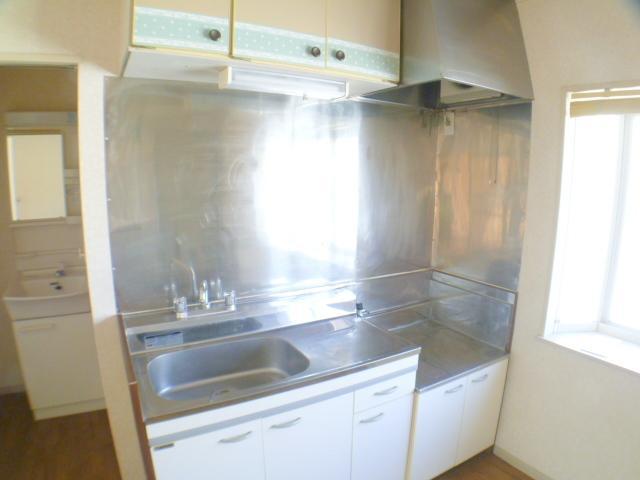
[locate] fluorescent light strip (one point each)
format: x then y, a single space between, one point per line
281 83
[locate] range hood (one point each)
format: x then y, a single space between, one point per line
460 53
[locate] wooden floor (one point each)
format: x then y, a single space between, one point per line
79 447
75 447
485 466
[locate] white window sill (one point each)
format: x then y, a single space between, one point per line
601 347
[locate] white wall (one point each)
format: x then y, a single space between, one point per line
567 416
91 33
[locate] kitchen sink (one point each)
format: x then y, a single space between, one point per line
218 370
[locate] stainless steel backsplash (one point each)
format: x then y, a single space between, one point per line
481 195
261 192
265 193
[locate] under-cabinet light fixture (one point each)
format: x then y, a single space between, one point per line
282 83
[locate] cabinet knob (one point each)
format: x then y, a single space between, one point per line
315 51
340 55
214 34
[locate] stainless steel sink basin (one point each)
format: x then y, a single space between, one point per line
219 370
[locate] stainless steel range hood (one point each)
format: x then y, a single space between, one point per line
459 53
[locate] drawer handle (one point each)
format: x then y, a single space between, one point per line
215 34
163 447
387 391
37 328
237 438
288 424
340 55
480 379
375 418
454 390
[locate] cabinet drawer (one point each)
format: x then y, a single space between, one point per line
384 391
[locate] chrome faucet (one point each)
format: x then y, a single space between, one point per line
190 271
230 300
60 272
203 294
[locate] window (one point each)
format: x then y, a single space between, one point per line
596 275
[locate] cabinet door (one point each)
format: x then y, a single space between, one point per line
58 359
436 429
381 441
200 25
363 37
234 453
481 410
311 443
281 31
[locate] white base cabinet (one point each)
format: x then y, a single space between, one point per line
312 442
381 441
59 364
481 410
233 453
455 421
359 434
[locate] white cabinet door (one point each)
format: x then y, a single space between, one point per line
58 359
381 441
310 443
233 453
481 410
436 429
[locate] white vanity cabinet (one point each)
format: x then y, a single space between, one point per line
381 440
59 364
455 421
233 453
312 442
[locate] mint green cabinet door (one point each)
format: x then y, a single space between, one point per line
363 37
197 25
281 31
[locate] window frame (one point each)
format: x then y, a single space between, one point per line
603 324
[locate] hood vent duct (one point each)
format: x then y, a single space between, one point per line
460 53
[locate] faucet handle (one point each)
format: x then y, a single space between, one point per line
180 307
203 294
230 299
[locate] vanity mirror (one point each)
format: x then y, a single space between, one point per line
36 175
42 165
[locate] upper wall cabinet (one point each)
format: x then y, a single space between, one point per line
200 25
281 31
363 37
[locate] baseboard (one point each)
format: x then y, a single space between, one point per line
69 409
9 389
519 464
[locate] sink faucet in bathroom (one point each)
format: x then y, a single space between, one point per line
60 272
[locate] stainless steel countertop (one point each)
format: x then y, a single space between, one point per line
446 354
334 348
